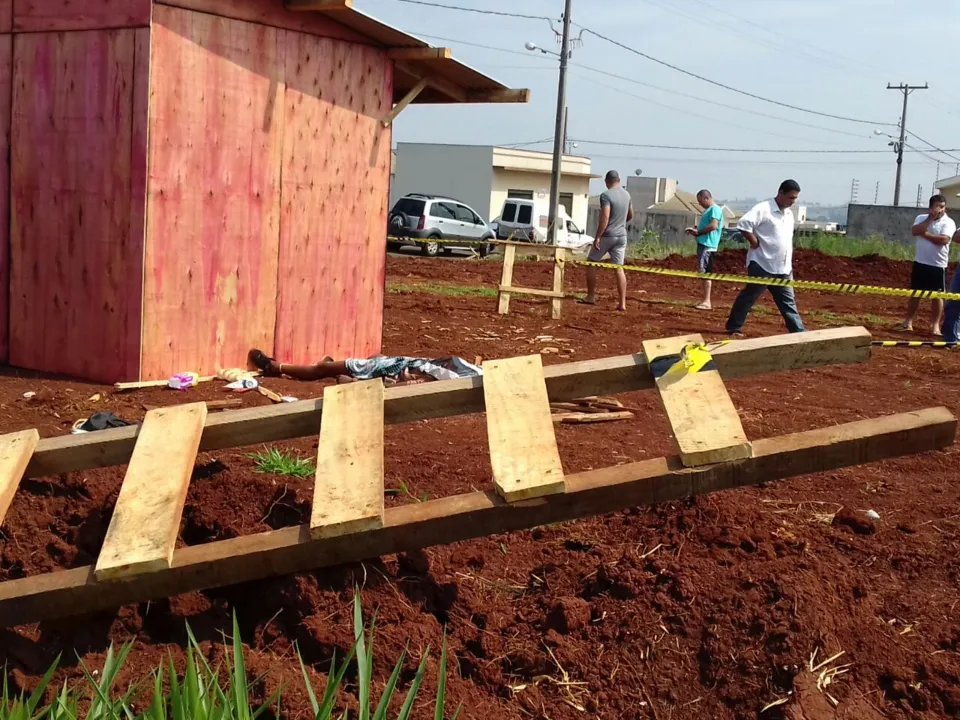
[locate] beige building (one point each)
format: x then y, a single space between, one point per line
483 176
950 187
661 206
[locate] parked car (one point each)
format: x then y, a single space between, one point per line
423 220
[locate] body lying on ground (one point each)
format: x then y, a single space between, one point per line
392 369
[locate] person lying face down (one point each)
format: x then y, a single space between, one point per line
392 369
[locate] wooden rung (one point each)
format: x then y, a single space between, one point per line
16 449
348 493
523 447
702 415
506 278
145 523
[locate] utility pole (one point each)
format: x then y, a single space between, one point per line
854 189
906 90
876 193
919 194
560 133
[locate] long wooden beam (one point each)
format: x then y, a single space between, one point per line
567 381
462 517
322 5
520 95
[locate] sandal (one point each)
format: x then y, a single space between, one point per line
261 361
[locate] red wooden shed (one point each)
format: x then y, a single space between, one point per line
191 178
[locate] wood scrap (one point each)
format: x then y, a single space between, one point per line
269 394
122 386
587 418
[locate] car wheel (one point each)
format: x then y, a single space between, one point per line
487 249
393 246
430 248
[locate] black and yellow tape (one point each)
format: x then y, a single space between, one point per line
847 288
914 343
694 358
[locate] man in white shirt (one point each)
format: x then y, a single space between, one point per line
768 228
933 232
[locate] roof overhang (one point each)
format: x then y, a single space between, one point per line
422 73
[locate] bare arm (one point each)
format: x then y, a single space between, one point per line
751 238
602 226
920 229
711 226
630 213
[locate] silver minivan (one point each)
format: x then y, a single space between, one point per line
423 220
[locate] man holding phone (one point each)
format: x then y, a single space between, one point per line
933 232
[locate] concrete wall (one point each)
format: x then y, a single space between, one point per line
462 172
648 191
504 180
893 223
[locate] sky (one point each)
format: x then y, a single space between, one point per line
830 56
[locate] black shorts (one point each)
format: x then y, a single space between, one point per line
928 277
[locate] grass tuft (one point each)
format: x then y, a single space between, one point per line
277 462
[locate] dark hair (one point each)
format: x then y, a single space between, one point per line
612 176
704 193
937 199
788 186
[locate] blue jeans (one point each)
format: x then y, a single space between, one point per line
951 313
784 297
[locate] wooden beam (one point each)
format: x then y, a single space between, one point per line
531 291
404 101
420 53
462 517
506 278
146 520
321 5
15 451
523 449
348 492
499 96
565 381
704 420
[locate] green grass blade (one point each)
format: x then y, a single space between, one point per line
414 688
241 693
177 711
363 666
441 681
333 684
37 695
381 711
306 682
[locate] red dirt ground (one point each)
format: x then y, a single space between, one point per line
705 609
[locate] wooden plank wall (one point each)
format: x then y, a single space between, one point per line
273 14
6 16
216 129
61 15
6 78
336 175
76 251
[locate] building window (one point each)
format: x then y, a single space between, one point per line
520 194
566 199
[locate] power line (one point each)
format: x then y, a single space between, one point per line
725 86
716 102
927 142
735 161
739 150
493 48
459 8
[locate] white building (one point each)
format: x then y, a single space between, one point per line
483 176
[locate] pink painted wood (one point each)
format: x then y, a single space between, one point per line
6 65
336 174
216 128
272 13
6 16
75 264
49 15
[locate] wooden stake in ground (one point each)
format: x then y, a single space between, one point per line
16 449
702 415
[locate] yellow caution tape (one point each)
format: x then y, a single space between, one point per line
693 358
848 288
914 343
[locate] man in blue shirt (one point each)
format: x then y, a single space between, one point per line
707 233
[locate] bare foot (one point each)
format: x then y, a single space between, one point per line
704 306
937 331
621 308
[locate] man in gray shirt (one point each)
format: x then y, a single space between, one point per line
616 210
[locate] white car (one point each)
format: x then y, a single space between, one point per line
528 220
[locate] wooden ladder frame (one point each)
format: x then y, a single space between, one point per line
138 561
507 289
